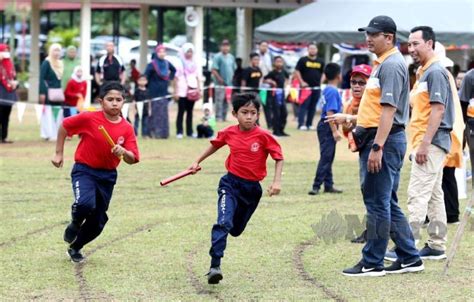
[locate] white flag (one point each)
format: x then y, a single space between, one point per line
140 109
20 107
39 111
125 110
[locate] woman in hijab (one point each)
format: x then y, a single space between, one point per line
158 73
8 85
50 77
187 89
75 90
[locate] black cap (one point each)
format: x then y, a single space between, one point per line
380 24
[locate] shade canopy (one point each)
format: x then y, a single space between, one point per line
337 21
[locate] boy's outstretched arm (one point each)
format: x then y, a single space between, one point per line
208 152
58 157
275 187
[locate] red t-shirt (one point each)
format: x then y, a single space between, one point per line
248 151
71 91
93 149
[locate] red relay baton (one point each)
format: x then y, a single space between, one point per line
180 175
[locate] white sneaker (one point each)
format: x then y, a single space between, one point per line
303 128
179 136
312 128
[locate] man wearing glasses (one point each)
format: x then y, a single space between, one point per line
383 114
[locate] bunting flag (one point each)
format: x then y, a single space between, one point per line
125 108
20 107
287 91
263 96
279 97
228 94
294 94
56 110
305 93
39 108
140 109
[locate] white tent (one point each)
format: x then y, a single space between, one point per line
337 21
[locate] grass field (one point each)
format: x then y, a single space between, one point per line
155 245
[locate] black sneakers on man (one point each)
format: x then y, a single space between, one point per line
214 276
360 270
75 255
399 268
431 254
71 231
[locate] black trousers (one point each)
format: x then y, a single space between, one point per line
185 106
5 111
450 189
280 113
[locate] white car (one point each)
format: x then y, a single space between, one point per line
131 50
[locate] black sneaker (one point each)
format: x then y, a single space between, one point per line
360 270
75 255
332 190
313 192
284 134
431 254
361 239
71 231
399 268
214 275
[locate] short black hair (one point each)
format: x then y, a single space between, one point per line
253 55
133 61
427 33
243 99
331 71
277 57
112 85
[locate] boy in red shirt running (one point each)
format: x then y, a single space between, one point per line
239 190
94 174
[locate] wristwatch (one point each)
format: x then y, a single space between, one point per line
376 147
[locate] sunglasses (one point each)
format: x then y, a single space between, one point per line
360 83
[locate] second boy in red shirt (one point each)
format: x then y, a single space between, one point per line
239 190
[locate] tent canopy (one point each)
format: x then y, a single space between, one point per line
337 21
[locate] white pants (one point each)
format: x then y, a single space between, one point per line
426 197
50 123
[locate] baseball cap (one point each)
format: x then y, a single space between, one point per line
362 69
380 24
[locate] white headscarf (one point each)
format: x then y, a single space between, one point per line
75 77
189 66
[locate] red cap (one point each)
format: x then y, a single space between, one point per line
362 69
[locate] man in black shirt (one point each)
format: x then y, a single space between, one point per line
277 79
251 80
309 70
110 67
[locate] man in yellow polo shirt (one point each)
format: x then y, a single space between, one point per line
381 120
431 124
